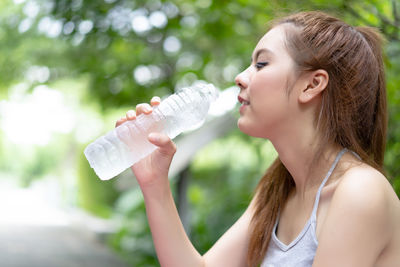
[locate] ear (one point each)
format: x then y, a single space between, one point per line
315 83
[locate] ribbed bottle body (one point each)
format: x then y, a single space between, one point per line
122 147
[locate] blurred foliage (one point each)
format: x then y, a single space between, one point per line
126 51
133 238
225 174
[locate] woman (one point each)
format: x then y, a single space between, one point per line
316 90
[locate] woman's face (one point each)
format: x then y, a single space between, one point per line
266 104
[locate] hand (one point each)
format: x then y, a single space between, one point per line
155 166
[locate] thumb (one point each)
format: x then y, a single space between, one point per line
165 145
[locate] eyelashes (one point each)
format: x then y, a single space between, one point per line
260 65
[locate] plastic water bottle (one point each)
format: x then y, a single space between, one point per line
122 147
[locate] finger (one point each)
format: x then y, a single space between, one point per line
120 121
155 101
143 108
164 143
131 115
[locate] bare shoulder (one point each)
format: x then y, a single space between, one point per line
367 192
362 221
365 188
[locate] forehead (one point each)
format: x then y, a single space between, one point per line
274 41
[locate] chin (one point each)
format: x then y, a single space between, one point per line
249 130
245 128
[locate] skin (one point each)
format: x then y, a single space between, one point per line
358 217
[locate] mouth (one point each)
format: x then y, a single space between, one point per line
243 101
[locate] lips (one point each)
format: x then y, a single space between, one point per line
243 101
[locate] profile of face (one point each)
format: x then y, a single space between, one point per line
266 103
271 89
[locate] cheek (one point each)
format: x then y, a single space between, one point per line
268 88
274 78
269 101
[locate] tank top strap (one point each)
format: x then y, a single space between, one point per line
317 197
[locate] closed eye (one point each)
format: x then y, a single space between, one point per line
260 65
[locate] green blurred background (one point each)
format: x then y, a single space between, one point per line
70 68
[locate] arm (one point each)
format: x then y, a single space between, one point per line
172 245
357 227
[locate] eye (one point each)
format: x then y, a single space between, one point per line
260 65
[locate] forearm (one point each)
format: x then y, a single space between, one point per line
173 247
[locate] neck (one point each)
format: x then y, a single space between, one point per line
298 152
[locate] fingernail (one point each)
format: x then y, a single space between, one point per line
131 114
153 137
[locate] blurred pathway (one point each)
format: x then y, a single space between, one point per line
35 231
44 246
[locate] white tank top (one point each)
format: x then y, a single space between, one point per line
301 251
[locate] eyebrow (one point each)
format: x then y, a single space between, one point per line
260 51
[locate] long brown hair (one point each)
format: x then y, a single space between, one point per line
352 113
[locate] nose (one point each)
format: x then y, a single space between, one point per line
242 80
